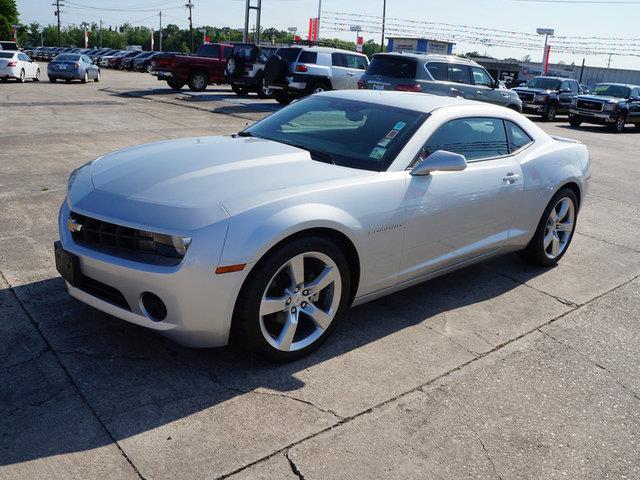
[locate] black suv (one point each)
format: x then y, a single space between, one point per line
611 104
245 69
548 96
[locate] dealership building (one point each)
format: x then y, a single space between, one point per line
419 45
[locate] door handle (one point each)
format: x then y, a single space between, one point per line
479 92
511 178
350 74
454 91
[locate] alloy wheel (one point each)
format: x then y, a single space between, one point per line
199 81
300 301
559 228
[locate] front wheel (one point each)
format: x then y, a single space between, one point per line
555 230
198 81
618 125
549 114
37 77
174 84
282 98
53 79
575 122
239 90
293 299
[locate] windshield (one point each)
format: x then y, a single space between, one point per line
395 67
66 58
544 83
349 133
605 90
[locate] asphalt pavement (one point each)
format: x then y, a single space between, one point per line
496 371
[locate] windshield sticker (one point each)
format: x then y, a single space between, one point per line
399 126
377 153
384 142
392 133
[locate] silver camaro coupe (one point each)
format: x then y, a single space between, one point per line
268 235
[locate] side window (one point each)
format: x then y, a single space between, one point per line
635 93
308 57
518 138
481 77
338 60
227 52
459 74
438 70
575 88
475 138
86 59
212 51
356 61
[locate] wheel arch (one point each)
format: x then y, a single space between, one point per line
573 186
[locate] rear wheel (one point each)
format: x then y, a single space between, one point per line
37 77
21 77
68 80
239 90
618 125
198 81
282 98
555 230
318 87
3 79
293 299
549 114
85 77
53 79
97 79
263 90
174 84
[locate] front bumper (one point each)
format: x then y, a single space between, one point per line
533 107
599 118
199 303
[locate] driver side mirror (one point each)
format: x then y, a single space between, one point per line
440 161
496 84
565 90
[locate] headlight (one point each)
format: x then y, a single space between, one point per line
610 107
540 97
166 245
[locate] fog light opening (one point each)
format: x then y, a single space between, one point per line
153 306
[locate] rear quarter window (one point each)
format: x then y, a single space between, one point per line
289 54
438 71
308 57
395 67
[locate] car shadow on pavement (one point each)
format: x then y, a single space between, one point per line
135 381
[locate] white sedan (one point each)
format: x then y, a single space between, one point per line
18 65
267 236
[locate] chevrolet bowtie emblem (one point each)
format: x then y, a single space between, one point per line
73 225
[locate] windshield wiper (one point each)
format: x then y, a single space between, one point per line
244 133
315 154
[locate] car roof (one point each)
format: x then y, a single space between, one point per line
419 102
628 85
562 79
323 49
428 57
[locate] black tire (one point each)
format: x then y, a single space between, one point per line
174 84
535 252
53 79
262 90
575 122
275 69
85 77
21 77
637 125
198 81
239 90
246 322
37 77
235 67
550 113
97 79
283 98
67 80
3 79
618 125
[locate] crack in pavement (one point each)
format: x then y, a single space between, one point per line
608 242
475 354
39 403
70 377
593 362
422 386
294 468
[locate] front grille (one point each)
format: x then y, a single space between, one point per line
589 105
92 231
526 97
103 292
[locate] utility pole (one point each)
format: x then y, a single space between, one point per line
609 62
247 12
100 33
384 16
58 4
160 33
189 5
319 15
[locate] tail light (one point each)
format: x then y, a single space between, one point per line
413 87
12 64
301 68
361 85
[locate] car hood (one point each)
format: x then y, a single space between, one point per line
200 172
601 98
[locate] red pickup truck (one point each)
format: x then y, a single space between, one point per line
199 70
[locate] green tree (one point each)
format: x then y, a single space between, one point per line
8 17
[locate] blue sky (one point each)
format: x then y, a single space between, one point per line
603 19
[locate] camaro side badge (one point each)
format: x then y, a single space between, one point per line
384 229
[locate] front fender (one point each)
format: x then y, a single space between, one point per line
254 233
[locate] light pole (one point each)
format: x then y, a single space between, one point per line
547 32
356 28
319 15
